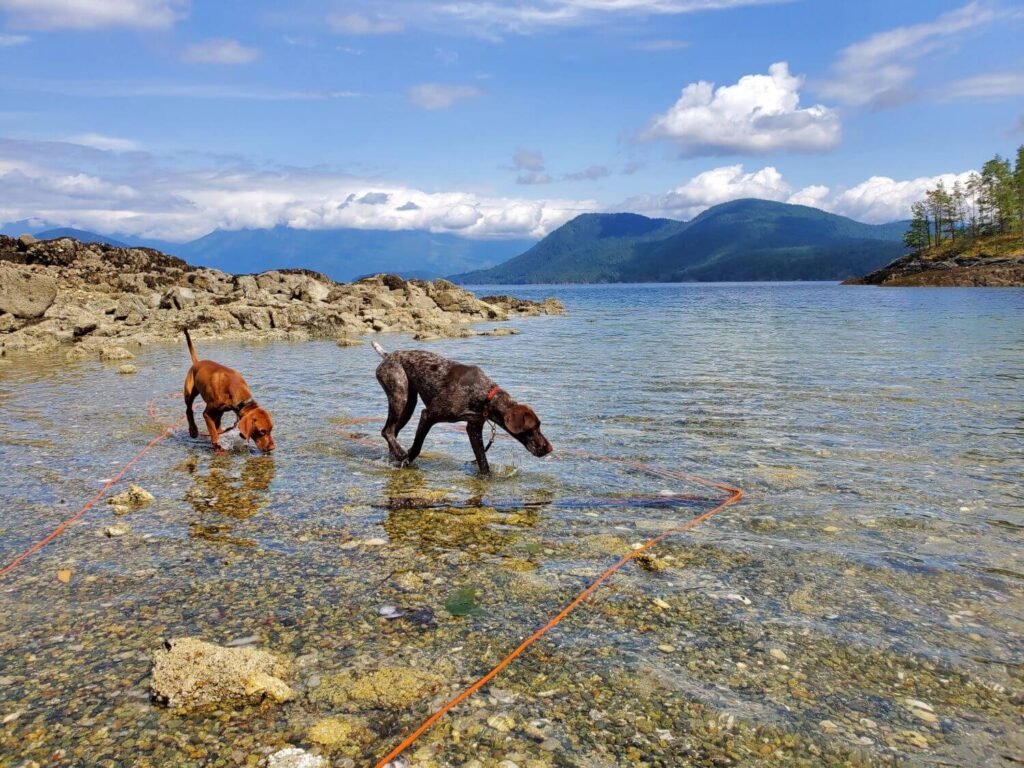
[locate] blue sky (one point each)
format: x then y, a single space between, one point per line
489 119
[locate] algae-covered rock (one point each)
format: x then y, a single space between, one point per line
262 684
193 673
385 688
135 496
115 353
343 734
648 561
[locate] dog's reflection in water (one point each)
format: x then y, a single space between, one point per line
218 490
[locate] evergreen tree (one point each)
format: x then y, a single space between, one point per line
1018 186
918 237
957 209
997 186
934 199
973 190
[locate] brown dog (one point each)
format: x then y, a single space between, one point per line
223 389
451 392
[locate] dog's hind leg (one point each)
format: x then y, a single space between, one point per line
410 406
190 397
395 383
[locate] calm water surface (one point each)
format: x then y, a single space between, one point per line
862 606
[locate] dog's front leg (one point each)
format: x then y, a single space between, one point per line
212 420
475 430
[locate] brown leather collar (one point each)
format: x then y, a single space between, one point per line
244 406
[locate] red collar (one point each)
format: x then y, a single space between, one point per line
490 396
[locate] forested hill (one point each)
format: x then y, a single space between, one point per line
739 240
592 248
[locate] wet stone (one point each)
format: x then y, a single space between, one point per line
384 688
192 673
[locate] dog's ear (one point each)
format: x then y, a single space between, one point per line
245 425
521 418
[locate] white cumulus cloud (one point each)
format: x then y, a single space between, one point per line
757 115
881 199
719 185
435 96
877 200
93 14
220 50
140 194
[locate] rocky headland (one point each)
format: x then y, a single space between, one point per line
996 262
100 300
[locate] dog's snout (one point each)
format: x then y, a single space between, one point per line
541 447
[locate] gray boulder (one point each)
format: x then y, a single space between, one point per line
128 304
310 290
178 297
24 293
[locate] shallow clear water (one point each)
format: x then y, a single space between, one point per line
875 561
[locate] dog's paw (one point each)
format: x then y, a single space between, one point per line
193 432
218 449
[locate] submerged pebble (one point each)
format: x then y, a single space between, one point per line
293 757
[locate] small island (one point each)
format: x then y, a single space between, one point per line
969 236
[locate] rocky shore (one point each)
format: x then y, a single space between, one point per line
100 300
996 262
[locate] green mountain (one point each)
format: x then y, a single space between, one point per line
738 240
592 248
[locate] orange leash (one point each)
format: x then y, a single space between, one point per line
555 621
168 431
735 494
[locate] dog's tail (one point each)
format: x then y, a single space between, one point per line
379 348
191 349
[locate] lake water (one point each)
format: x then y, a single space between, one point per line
863 605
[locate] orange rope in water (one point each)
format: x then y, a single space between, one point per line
168 431
735 494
